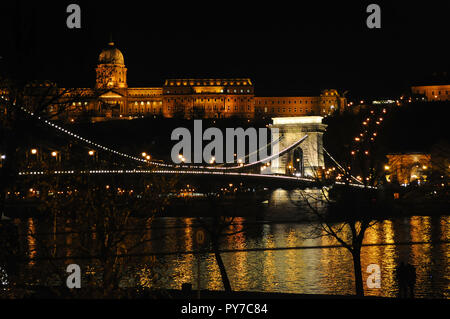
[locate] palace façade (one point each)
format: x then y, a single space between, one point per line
111 98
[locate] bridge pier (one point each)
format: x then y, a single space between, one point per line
307 158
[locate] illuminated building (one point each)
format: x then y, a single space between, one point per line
408 167
432 92
111 98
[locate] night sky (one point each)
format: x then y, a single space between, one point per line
285 49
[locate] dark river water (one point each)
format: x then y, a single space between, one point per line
417 240
274 255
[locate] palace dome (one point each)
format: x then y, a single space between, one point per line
111 55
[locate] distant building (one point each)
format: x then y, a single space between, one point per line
432 92
201 98
408 167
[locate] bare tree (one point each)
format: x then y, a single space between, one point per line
95 223
345 211
220 225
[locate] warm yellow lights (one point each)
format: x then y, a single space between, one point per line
91 153
144 154
297 120
386 167
54 154
34 151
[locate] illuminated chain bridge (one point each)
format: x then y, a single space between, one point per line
240 171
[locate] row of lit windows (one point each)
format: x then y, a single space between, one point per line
215 107
137 110
148 102
283 110
295 102
289 102
439 92
221 91
205 100
208 83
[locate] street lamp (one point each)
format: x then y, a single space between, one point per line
91 153
144 154
33 151
54 154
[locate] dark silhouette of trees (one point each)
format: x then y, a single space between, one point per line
93 223
344 212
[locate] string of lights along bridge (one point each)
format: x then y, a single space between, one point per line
177 169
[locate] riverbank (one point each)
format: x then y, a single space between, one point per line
39 292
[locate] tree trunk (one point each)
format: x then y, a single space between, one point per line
356 254
223 271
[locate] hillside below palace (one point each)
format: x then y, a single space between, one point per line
189 98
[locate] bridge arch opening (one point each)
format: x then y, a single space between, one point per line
298 162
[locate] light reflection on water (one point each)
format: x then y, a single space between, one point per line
309 271
325 270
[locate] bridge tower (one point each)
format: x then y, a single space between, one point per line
307 158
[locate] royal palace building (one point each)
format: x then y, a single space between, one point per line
432 92
189 98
